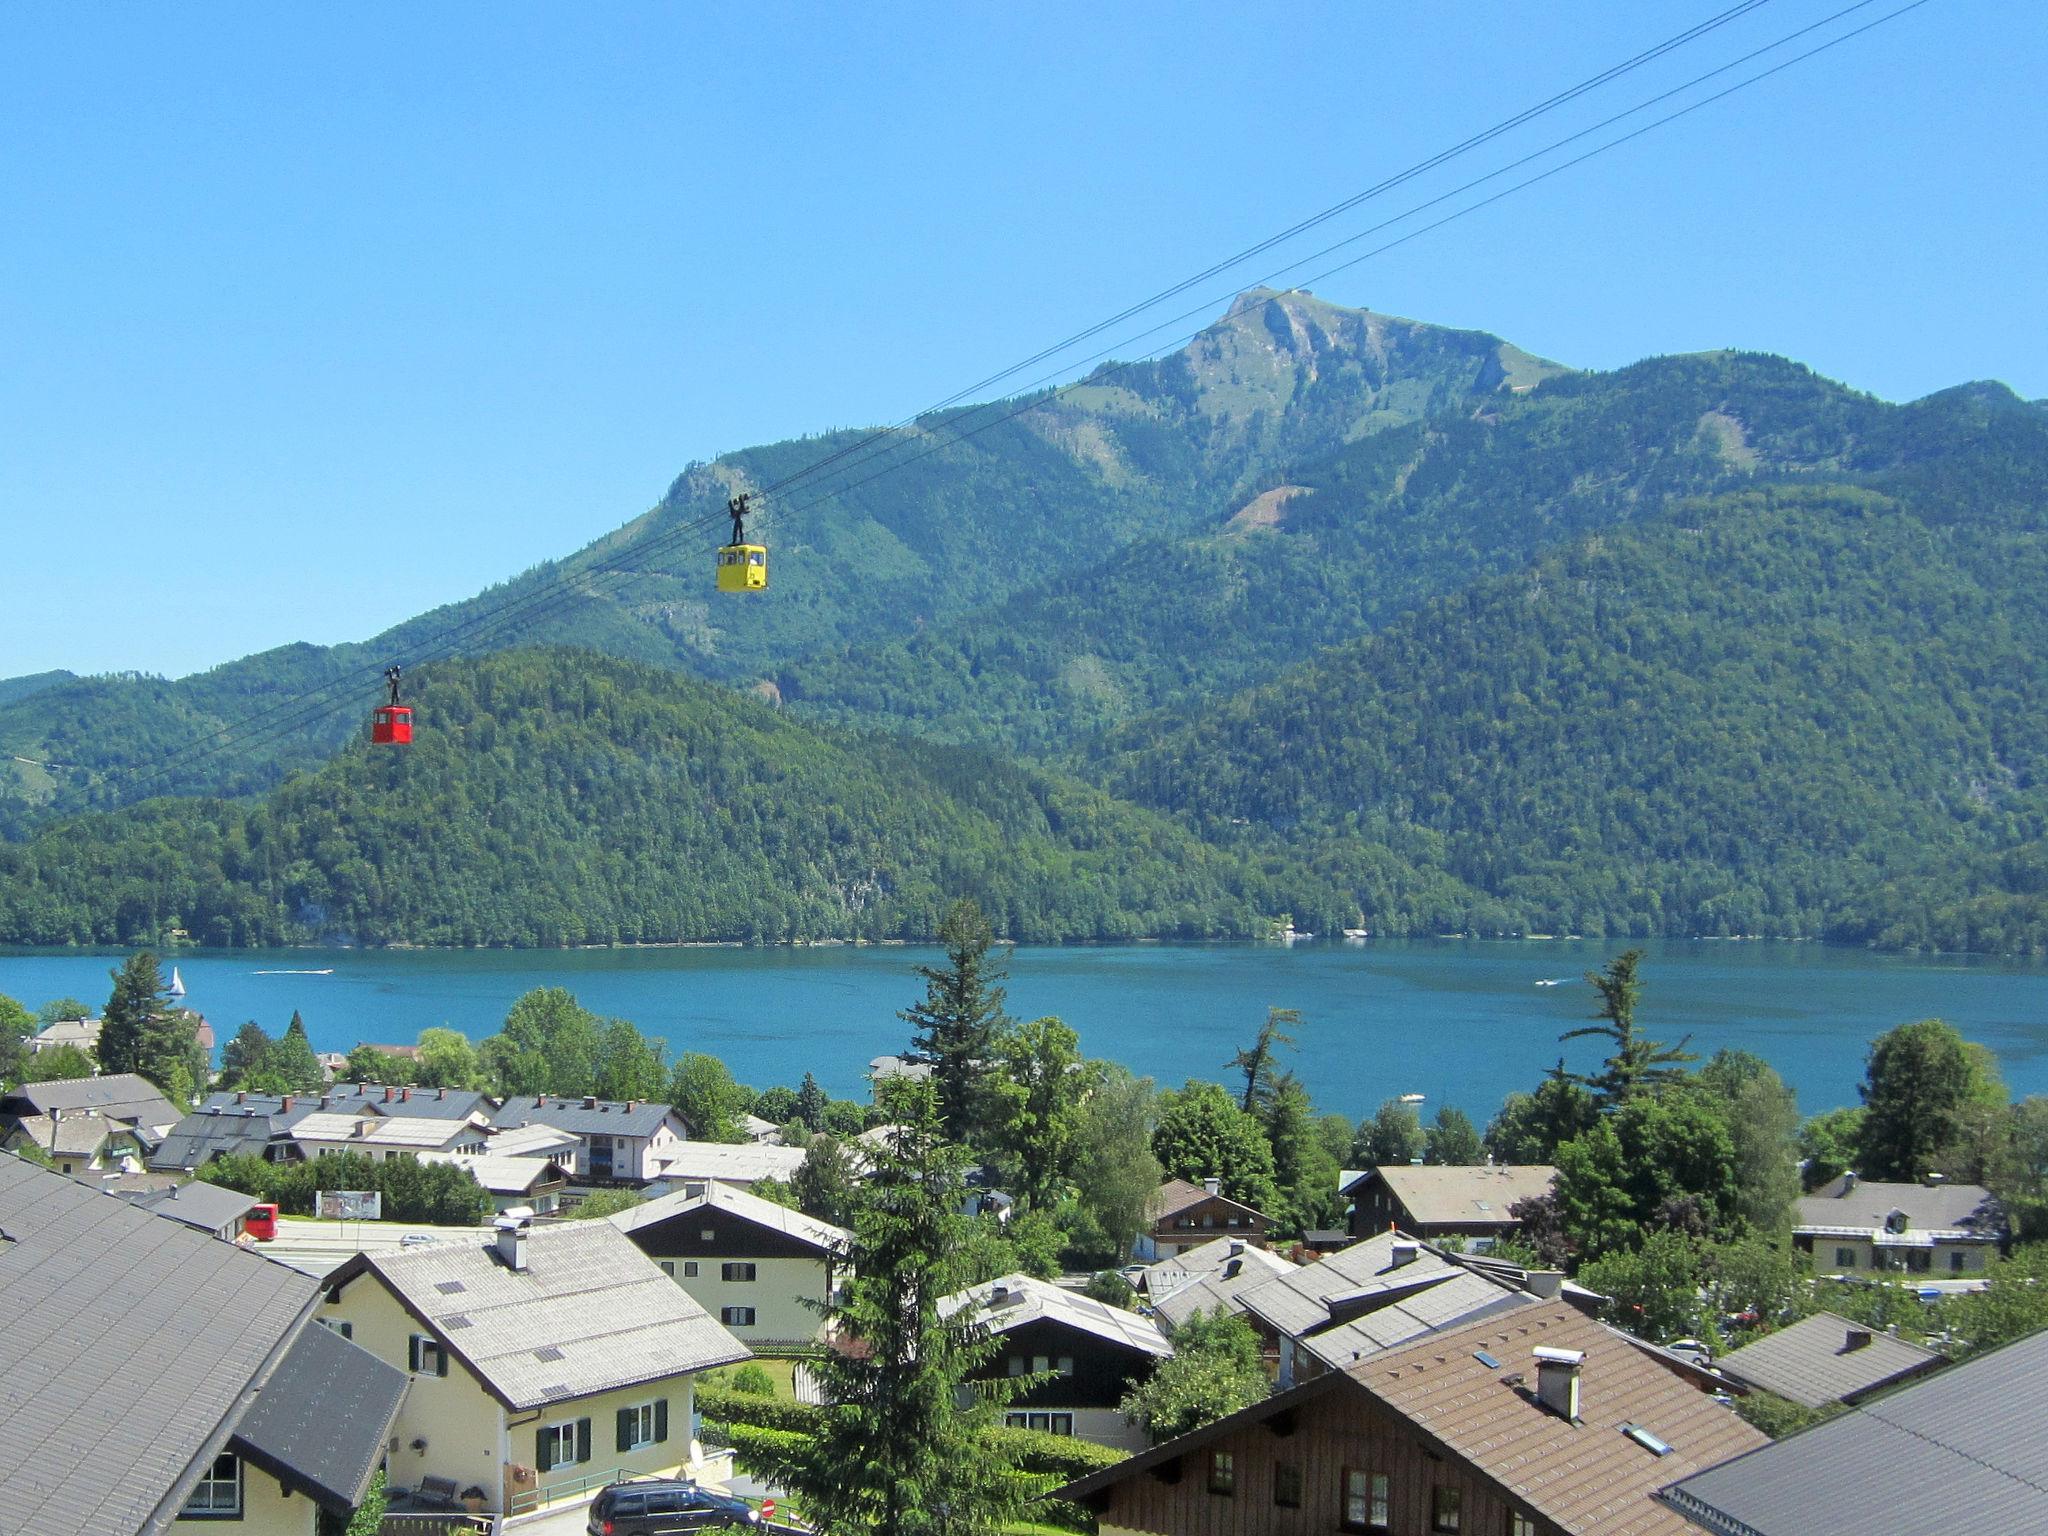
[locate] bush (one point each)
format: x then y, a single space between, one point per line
756 1451
729 1403
752 1380
1059 1456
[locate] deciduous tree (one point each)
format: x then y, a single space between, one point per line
1214 1371
1917 1087
1202 1134
703 1093
1451 1140
1392 1136
1033 1109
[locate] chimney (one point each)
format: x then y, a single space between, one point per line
631 1105
511 1232
1236 1247
1849 1182
1859 1338
405 1095
590 1101
387 1095
284 1105
1557 1380
540 1101
1213 1184
1405 1253
241 1098
325 1100
1547 1283
441 1093
1232 1269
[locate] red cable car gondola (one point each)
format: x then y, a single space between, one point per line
391 723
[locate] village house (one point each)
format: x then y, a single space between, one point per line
264 1125
1436 1202
1961 1450
79 1034
544 1363
534 1185
1855 1226
383 1137
158 1380
210 1208
1826 1359
1089 1355
117 1096
1374 1296
691 1165
1181 1215
760 1268
1207 1278
618 1143
1539 1422
82 1142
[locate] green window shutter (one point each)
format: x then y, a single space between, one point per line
583 1439
660 1420
625 1429
412 1353
441 1361
542 1457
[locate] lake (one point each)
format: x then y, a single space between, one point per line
1462 1022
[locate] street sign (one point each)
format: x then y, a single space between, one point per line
349 1205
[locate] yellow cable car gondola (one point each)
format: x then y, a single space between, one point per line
742 567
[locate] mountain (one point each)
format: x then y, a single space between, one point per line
975 504
1393 520
1775 711
556 797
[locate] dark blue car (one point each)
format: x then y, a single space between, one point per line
663 1507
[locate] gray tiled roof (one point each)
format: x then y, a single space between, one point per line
1861 1205
107 1307
1960 1450
1014 1300
740 1164
606 1315
821 1235
208 1207
79 1134
605 1117
355 1098
319 1423
199 1138
1452 1195
1464 1297
1299 1302
1817 1360
117 1095
1209 1277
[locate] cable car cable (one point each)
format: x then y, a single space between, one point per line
526 609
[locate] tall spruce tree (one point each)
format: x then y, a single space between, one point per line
139 996
811 1103
959 1019
895 1453
1256 1061
1637 1062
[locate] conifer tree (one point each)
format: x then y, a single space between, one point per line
959 1019
895 1453
291 1058
1256 1060
811 1103
1637 1062
139 995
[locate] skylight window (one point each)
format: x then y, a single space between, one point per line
1646 1440
1485 1359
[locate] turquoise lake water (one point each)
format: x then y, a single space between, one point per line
1460 1022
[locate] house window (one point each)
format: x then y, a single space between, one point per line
643 1424
218 1494
1040 1365
668 1267
566 1444
337 1325
1223 1473
1845 1258
426 1357
1958 1261
1919 1260
735 1271
706 1235
1446 1509
1521 1525
1367 1501
1016 1365
689 1269
1287 1485
736 1317
1044 1423
1065 1365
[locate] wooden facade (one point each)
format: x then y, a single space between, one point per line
1325 1449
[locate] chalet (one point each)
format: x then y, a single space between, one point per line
1373 1296
760 1268
1856 1226
79 1034
1958 1450
1208 1278
158 1380
616 1142
266 1125
1181 1215
213 1132
1435 1202
383 1137
83 1142
1089 1353
531 1184
542 1362
1540 1422
118 1096
1826 1359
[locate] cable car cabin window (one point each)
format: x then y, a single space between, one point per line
391 727
742 568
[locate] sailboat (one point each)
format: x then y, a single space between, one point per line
177 987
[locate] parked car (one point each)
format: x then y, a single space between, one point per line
661 1506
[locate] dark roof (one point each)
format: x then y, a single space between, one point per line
199 1138
208 1207
1177 1195
1959 1450
1826 1359
319 1423
128 1348
355 1098
1587 1477
117 1095
1852 1205
584 1117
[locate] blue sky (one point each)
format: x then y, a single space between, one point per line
311 318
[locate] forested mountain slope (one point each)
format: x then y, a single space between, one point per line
1406 515
554 797
1772 712
976 503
